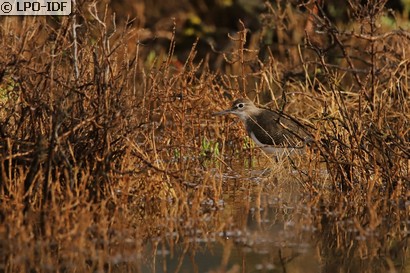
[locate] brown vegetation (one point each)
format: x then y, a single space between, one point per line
105 150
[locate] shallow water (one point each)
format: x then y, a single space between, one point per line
264 220
261 238
270 229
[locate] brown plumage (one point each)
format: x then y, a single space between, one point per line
269 129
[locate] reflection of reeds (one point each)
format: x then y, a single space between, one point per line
105 148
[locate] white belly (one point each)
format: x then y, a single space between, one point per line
277 150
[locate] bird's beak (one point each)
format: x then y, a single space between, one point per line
221 113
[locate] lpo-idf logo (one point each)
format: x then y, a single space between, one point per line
35 7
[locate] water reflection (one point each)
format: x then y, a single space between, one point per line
261 232
271 226
263 221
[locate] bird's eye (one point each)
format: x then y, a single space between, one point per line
240 105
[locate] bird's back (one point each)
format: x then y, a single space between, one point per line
277 129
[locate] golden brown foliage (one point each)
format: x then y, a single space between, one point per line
104 149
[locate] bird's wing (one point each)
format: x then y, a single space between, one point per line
282 130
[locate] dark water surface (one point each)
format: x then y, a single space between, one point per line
264 221
270 227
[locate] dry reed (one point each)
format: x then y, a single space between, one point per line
99 144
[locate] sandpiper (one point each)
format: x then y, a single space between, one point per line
275 132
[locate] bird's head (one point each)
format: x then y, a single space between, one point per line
242 108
